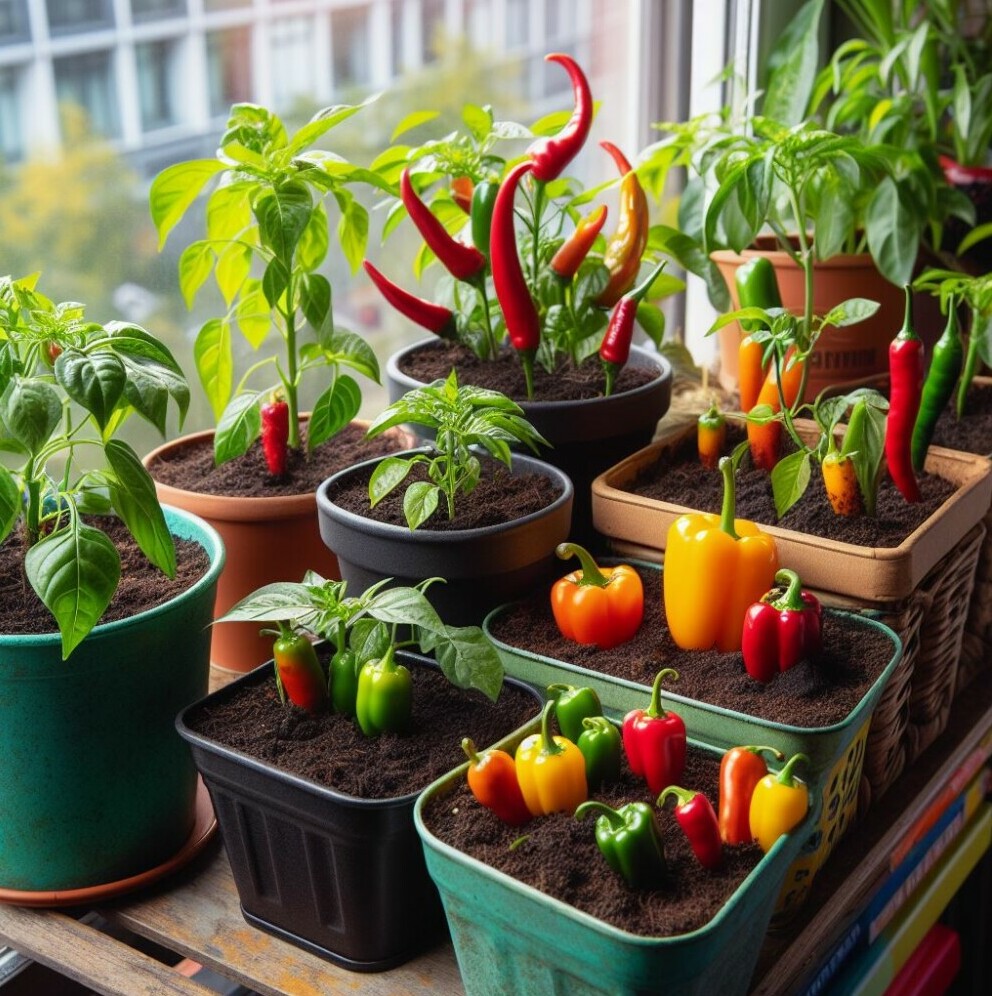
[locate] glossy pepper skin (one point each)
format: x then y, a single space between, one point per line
614 351
841 481
782 629
551 155
906 378
757 287
741 768
433 317
462 190
765 441
492 779
654 740
695 815
383 701
572 705
275 434
551 771
627 244
298 671
523 323
715 567
628 839
945 368
481 213
566 261
602 747
779 803
462 261
344 682
596 605
711 436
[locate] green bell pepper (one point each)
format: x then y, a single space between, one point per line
572 705
602 747
383 702
628 838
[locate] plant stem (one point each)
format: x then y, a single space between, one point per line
538 211
291 379
490 334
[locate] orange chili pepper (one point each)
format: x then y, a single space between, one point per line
711 435
751 372
766 440
492 779
740 771
627 244
461 192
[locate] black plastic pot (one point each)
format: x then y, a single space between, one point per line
587 436
340 876
482 567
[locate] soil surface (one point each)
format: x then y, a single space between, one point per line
679 478
142 586
434 360
331 750
192 467
558 855
814 693
973 433
499 497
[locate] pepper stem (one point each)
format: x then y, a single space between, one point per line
591 574
792 598
774 751
729 508
610 371
601 809
684 796
388 662
655 710
907 331
548 745
600 723
786 776
527 362
468 745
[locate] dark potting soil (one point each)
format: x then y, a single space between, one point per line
679 478
434 361
499 497
973 433
192 467
142 586
558 855
331 750
814 693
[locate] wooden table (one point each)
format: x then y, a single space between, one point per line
196 913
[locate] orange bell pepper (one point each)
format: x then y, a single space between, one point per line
551 770
766 440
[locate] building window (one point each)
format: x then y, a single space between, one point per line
67 16
350 47
517 24
14 24
224 4
396 34
86 82
157 73
293 78
556 20
479 24
11 141
432 31
228 68
151 10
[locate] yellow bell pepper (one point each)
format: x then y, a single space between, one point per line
716 566
551 771
779 804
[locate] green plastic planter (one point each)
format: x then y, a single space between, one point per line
513 940
96 785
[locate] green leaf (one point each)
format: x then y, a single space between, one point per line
469 660
652 319
405 606
420 502
195 264
10 502
233 268
283 215
867 447
388 475
175 188
976 235
238 428
893 233
215 363
75 573
850 312
353 234
94 380
352 350
275 280
413 120
478 120
333 410
792 67
315 301
31 410
287 600
312 248
550 123
253 314
229 211
790 478
369 639
149 387
134 498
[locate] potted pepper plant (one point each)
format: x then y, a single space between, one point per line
106 597
266 239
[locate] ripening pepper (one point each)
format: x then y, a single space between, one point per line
298 672
715 567
695 815
741 768
711 435
597 605
945 368
765 440
779 803
275 434
567 260
757 287
626 246
654 740
383 702
551 770
462 190
344 682
781 629
906 378
492 779
840 478
572 705
629 840
602 747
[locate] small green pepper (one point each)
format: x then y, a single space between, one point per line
602 747
383 702
481 212
572 705
344 682
628 838
945 368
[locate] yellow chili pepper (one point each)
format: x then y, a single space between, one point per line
841 481
716 566
551 771
779 803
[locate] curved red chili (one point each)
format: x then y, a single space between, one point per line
567 260
462 261
551 155
427 314
906 375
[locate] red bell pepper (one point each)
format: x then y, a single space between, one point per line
654 740
781 629
551 155
697 819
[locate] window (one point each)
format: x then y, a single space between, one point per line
517 23
291 42
556 20
479 24
10 114
14 24
350 47
149 10
228 69
224 4
86 82
66 16
157 76
397 35
432 30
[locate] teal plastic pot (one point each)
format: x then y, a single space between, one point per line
511 939
96 784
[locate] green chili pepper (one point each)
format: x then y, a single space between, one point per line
945 367
481 213
383 701
344 682
602 747
628 839
970 362
572 705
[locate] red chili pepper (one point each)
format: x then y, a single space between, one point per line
551 155
523 323
614 351
298 672
464 262
492 779
906 376
782 629
275 434
567 260
654 740
695 815
461 192
426 314
50 352
741 768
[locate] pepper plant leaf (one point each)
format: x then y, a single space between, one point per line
238 427
214 362
195 264
420 502
369 638
469 660
175 188
405 606
10 502
792 66
353 351
289 600
388 475
790 478
31 410
94 380
333 410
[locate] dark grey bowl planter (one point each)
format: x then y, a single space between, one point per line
587 436
482 567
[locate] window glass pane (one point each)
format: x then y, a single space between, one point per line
350 41
10 114
224 4
517 23
291 40
147 10
156 72
432 32
14 21
479 23
228 68
84 82
396 37
557 20
65 16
